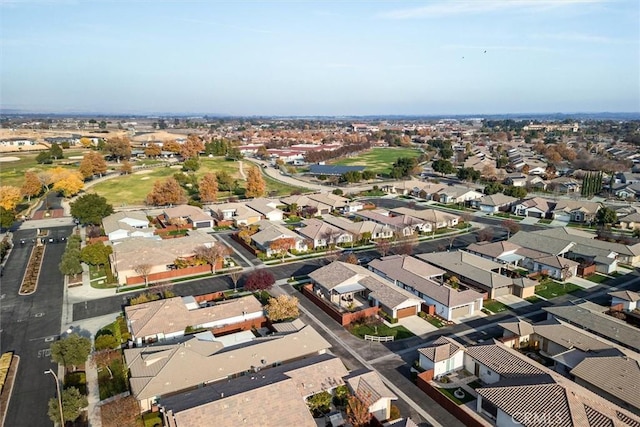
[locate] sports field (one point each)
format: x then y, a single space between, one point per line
379 160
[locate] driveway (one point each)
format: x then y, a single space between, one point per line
417 325
513 301
583 283
530 220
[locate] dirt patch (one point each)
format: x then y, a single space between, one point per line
9 159
143 178
143 172
8 387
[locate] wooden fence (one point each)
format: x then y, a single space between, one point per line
378 339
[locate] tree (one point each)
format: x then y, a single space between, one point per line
44 158
493 188
357 412
56 151
383 247
191 164
192 147
126 168
171 146
73 402
121 412
606 216
103 357
406 245
90 209
68 183
10 196
282 308
105 342
96 253
212 254
102 124
468 174
153 150
258 280
443 166
319 403
143 270
351 259
225 181
71 351
118 147
92 164
70 263
167 192
485 235
7 218
511 226
517 192
208 188
255 183
85 142
282 246
31 186
235 277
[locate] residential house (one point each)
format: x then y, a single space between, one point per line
536 182
336 202
515 389
592 318
226 402
565 185
187 214
426 282
358 229
479 273
516 179
626 191
270 232
236 214
268 208
341 283
575 211
433 218
121 225
536 207
402 225
615 378
494 203
457 195
368 387
625 300
159 371
323 234
443 356
167 319
304 203
630 222
157 255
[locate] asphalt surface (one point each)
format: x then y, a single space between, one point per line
29 324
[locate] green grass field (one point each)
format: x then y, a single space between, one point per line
12 173
381 330
379 160
494 306
133 189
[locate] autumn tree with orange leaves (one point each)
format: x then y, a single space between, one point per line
282 246
208 188
167 192
192 147
256 186
31 186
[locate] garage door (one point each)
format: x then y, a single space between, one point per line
563 217
460 311
506 290
406 312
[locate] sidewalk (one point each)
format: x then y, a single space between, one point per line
93 397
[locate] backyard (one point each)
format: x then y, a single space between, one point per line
449 393
551 289
379 160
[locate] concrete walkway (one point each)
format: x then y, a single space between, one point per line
416 325
93 396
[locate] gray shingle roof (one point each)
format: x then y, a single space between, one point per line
470 267
441 349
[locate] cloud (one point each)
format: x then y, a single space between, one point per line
448 8
585 38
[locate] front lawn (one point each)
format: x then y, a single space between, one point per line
545 221
381 330
152 419
435 321
551 289
533 299
494 306
597 278
449 393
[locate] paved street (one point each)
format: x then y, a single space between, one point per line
29 324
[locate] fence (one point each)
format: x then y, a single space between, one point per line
344 319
171 274
378 339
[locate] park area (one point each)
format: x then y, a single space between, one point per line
12 170
379 160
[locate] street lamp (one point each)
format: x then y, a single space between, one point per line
49 371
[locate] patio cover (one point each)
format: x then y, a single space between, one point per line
509 258
345 289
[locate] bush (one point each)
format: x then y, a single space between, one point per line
259 280
394 413
77 380
106 341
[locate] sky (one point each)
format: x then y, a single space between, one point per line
302 58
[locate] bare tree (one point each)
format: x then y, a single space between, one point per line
383 247
143 270
485 235
212 254
104 358
235 277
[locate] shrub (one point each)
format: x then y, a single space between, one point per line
394 413
259 280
